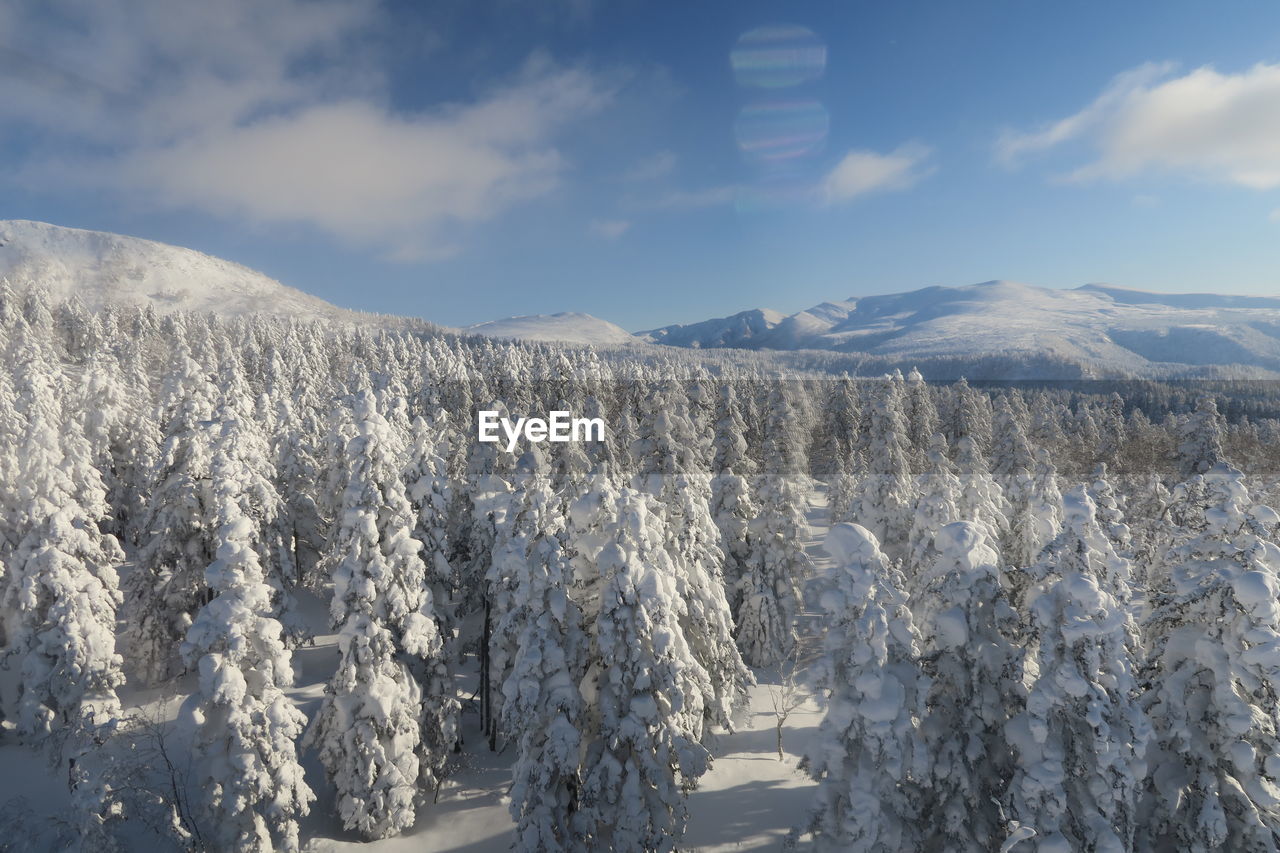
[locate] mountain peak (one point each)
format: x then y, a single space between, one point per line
100 268
566 327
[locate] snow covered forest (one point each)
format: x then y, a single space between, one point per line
1048 617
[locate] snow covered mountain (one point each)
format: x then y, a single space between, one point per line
1100 326
102 268
1029 332
566 327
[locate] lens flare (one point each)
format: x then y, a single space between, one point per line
781 130
779 56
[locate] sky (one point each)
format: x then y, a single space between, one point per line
655 162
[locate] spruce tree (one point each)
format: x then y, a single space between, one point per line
669 457
1081 741
937 494
641 743
1035 515
1011 452
374 739
167 586
966 626
834 447
769 590
60 590
868 756
1110 510
533 511
1211 680
1200 439
297 476
732 505
921 416
248 770
981 500
886 499
543 707
430 490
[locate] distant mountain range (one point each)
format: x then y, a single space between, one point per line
1024 330
1129 331
1101 329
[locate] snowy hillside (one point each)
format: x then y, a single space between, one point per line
102 268
1119 329
745 329
566 327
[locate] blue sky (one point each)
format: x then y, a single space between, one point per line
469 159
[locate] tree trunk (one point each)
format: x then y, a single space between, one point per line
486 702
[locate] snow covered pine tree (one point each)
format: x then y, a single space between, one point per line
868 756
246 726
371 730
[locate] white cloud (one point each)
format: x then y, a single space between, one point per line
208 108
116 71
609 229
1013 145
861 172
858 173
371 177
1206 124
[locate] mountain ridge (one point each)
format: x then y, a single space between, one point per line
1100 328
1132 331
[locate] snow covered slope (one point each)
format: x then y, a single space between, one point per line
567 327
748 329
1129 331
103 268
